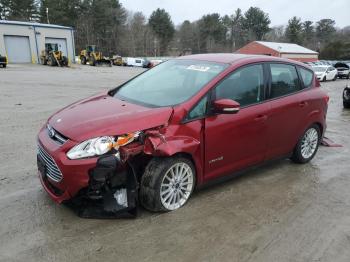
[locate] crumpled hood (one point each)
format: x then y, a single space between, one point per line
102 115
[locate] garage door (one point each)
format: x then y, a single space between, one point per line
62 44
18 49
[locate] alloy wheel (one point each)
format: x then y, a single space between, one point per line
176 186
309 143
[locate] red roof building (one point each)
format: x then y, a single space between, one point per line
285 50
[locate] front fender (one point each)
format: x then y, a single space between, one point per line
157 145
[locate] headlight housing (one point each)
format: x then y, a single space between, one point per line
100 145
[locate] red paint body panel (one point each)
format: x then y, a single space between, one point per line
217 144
233 142
105 115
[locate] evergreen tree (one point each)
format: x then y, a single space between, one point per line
19 10
256 22
161 24
294 31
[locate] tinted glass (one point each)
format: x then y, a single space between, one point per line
170 83
306 76
284 80
245 85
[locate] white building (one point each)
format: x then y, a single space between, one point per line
22 42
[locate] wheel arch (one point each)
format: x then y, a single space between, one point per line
177 146
320 126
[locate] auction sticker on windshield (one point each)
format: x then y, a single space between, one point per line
198 68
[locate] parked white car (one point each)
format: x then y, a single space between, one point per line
131 61
324 72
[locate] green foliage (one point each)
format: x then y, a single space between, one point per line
20 10
325 30
161 24
235 29
186 35
211 31
338 50
61 12
256 22
294 31
108 25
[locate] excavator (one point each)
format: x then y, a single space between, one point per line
52 56
94 57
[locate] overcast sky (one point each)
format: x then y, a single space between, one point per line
279 10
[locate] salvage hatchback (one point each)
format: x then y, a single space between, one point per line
175 127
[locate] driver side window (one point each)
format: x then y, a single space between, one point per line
245 85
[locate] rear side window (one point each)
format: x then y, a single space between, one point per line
284 80
245 85
307 76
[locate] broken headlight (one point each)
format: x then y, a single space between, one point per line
100 145
92 147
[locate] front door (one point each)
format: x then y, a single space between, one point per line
236 141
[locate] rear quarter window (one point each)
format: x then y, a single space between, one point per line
284 80
306 76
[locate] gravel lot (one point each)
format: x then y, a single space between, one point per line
281 212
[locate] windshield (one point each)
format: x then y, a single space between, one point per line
169 83
319 68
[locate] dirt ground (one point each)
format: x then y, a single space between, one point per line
281 212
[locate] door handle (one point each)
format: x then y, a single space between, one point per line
303 104
261 118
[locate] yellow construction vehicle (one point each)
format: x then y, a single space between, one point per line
117 60
52 56
94 57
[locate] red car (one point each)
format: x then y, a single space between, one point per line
175 127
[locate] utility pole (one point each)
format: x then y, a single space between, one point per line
47 15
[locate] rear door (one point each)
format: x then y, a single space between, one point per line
236 141
289 109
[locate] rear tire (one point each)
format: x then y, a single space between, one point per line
167 184
307 146
346 98
64 61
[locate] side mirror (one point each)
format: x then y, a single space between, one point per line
226 106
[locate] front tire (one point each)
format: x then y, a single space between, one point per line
167 184
324 79
83 60
307 145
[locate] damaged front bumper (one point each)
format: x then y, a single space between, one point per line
112 191
103 187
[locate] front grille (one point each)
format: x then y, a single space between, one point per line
52 170
55 135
